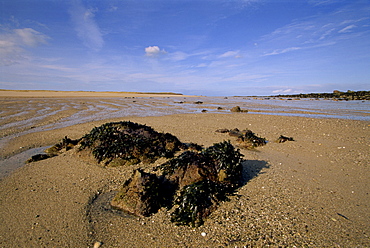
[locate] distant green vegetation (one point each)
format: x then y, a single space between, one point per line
338 95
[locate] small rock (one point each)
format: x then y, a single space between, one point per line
203 234
97 244
237 109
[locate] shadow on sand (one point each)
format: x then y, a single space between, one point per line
253 168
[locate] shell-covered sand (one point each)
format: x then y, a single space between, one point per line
311 192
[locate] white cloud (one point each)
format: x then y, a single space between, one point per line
85 26
153 51
14 43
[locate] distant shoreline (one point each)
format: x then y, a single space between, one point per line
59 93
336 95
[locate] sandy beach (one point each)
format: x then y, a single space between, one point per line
311 192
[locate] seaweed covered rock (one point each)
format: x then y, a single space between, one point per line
283 139
193 184
219 173
227 162
218 163
39 157
247 139
197 181
64 145
126 143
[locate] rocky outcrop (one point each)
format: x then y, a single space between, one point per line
193 183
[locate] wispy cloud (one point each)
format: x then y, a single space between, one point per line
30 37
322 2
178 56
230 54
316 31
86 27
281 51
279 91
13 44
347 29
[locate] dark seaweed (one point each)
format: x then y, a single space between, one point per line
196 201
129 142
226 158
218 173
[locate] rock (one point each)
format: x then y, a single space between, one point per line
97 244
188 168
237 109
140 195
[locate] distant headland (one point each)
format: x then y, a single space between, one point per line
57 93
336 94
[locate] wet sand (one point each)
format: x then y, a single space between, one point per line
311 192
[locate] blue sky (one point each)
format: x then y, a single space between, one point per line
202 47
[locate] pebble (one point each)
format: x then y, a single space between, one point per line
203 234
97 244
